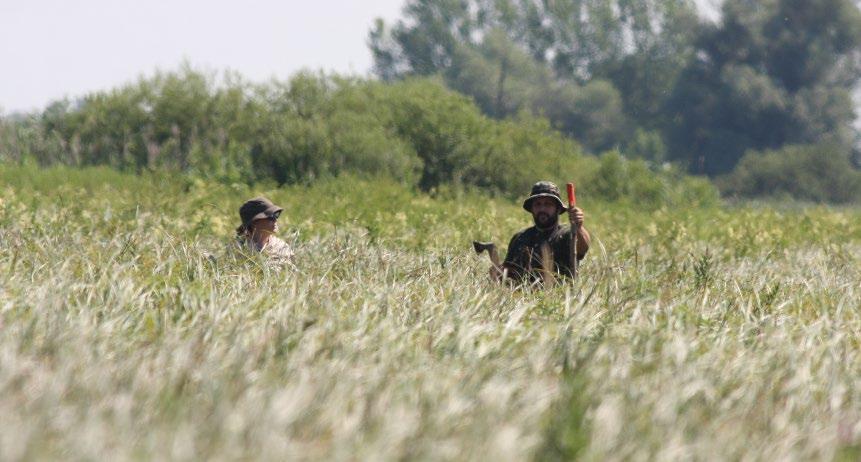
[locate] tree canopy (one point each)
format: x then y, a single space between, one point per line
634 73
416 132
772 73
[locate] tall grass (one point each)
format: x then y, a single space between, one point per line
127 332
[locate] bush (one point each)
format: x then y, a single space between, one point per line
416 132
818 173
641 184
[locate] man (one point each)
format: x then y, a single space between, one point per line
547 243
259 224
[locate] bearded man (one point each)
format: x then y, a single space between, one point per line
547 243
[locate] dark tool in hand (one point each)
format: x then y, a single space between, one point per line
575 229
490 247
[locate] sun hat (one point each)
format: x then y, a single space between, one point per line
257 208
543 189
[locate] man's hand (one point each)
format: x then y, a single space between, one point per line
495 274
576 216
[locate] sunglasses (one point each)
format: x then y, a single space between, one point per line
273 217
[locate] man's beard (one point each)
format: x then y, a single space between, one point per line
545 220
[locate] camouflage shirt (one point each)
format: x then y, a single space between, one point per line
524 252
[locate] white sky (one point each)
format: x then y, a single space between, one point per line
55 48
50 49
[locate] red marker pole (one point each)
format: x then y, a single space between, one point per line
575 228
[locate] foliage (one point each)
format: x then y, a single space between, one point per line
819 173
591 67
415 132
647 145
128 332
769 74
606 72
505 81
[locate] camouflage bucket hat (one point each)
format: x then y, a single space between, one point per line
257 208
543 189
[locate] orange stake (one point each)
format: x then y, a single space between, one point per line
575 229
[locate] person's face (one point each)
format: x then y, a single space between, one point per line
545 212
265 226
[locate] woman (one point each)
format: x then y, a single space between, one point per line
257 231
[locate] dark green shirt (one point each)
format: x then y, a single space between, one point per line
524 252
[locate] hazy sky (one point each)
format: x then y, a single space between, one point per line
55 48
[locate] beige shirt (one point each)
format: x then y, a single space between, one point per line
276 250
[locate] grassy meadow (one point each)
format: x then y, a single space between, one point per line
127 332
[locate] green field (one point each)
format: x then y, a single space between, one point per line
127 332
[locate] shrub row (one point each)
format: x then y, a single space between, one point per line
416 132
816 173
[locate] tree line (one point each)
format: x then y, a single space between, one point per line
622 95
415 131
652 78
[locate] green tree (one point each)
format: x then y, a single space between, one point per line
417 132
770 73
591 66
